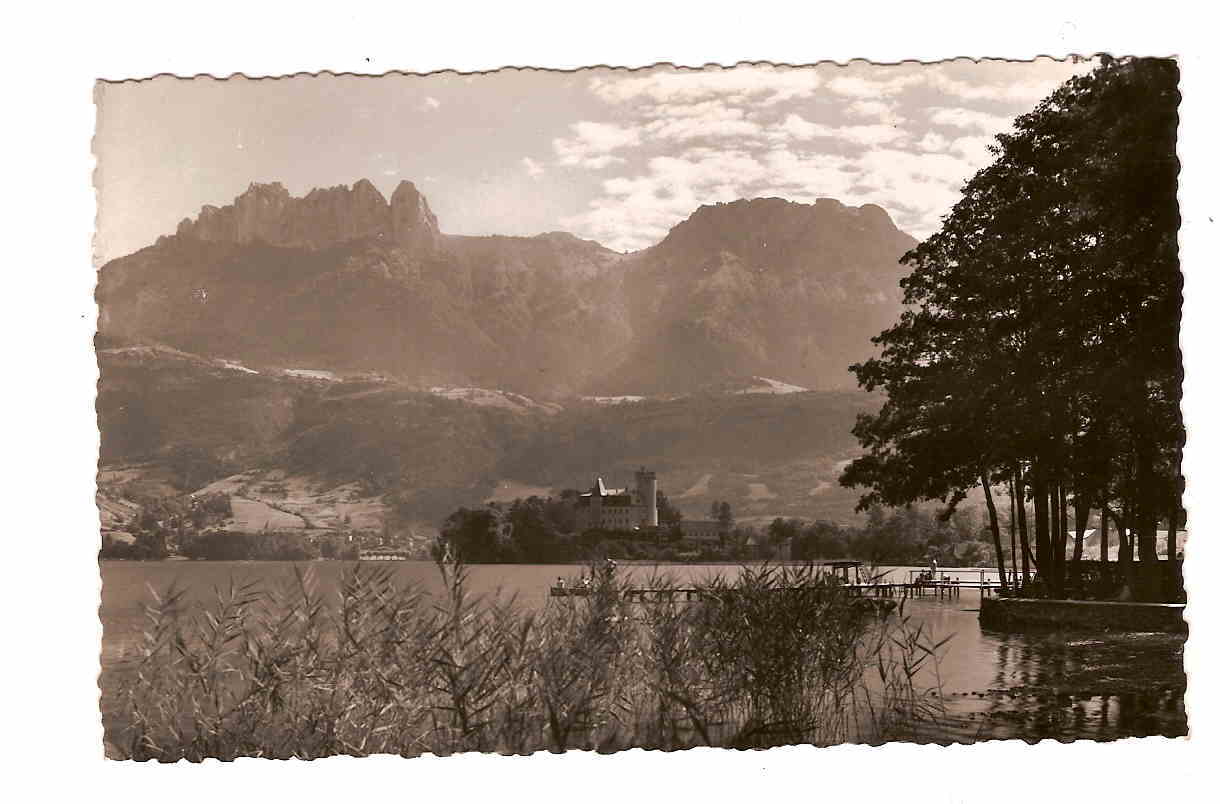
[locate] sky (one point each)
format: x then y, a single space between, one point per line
616 156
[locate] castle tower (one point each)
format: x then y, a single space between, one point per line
595 504
646 485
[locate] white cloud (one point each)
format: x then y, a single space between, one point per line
761 84
1024 91
1008 83
871 135
802 176
974 150
693 128
598 162
707 120
638 210
798 128
429 103
714 109
969 119
931 141
857 87
531 167
905 138
593 144
879 109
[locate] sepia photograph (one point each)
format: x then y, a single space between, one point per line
738 407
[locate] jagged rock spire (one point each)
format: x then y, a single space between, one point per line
322 218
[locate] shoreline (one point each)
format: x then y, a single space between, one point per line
622 562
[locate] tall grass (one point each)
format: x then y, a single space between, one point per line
775 656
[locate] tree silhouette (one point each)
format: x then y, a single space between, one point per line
1040 337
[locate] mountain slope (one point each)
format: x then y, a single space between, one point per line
343 280
763 287
186 421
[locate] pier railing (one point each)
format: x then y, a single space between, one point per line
917 584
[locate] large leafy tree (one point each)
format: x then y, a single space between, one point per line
1040 337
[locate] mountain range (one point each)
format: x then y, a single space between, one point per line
343 280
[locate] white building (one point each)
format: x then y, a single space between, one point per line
620 509
1092 544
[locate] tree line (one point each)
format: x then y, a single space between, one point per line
540 530
902 536
223 545
543 530
1038 351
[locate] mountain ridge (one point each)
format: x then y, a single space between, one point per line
343 279
320 218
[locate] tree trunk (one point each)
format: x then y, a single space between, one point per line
1054 575
1042 524
1174 592
1146 518
1175 509
995 530
1149 585
1012 527
1126 554
1081 514
1022 526
1061 550
1172 548
1105 534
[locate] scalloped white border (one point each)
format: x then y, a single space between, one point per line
51 738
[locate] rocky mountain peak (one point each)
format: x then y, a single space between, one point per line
411 219
324 217
778 218
826 238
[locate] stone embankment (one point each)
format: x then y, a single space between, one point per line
1016 614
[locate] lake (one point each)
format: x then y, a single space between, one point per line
995 685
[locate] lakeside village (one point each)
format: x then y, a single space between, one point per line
601 523
636 522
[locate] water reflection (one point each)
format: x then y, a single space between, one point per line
1068 687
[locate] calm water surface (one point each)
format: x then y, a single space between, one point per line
994 684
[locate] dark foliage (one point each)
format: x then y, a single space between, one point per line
1040 340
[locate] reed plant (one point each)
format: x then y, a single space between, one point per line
775 656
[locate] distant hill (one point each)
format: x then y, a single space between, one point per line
344 280
186 421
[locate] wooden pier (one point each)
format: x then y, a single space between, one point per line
919 583
633 595
691 594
